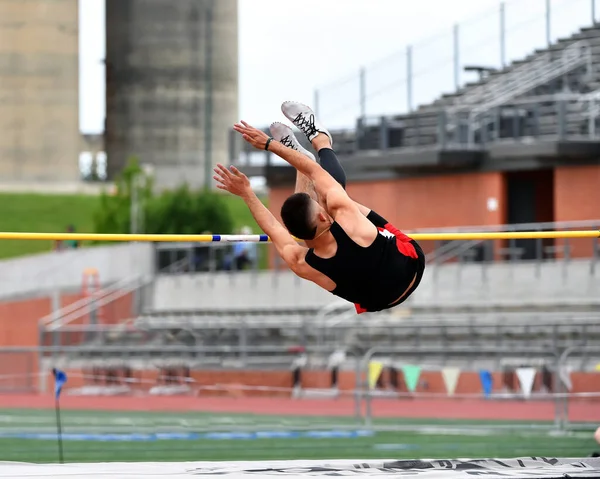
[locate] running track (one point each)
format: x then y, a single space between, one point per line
435 409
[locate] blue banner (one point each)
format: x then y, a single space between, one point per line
486 382
60 378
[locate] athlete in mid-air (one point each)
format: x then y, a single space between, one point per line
350 250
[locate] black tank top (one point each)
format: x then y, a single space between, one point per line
372 277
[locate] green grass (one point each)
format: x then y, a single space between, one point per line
383 445
410 442
43 213
52 213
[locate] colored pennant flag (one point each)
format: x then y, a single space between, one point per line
597 368
411 376
450 376
486 382
375 368
564 373
60 378
526 377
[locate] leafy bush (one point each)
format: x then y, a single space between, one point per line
179 211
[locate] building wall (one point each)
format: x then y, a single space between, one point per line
19 320
427 202
577 197
159 83
577 193
39 90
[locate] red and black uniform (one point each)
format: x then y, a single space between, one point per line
373 277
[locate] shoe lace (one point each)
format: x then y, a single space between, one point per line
287 141
307 125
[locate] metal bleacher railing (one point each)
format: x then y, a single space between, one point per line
112 370
161 331
548 93
461 251
421 72
485 253
500 89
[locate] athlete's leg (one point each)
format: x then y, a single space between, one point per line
327 158
304 118
284 134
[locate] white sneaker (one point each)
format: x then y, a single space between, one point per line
284 135
304 119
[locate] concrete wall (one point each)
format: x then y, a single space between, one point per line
37 275
517 284
39 90
243 290
158 87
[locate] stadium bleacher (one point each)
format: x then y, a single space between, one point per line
267 319
549 96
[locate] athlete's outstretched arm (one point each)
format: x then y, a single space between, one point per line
328 189
235 182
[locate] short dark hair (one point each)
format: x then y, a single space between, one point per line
297 218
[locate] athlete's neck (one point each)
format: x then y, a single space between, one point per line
323 244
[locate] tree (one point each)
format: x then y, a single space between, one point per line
183 211
180 211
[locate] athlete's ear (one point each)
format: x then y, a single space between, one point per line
322 217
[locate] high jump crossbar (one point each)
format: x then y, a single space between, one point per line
209 238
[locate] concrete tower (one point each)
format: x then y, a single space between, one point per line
39 91
172 85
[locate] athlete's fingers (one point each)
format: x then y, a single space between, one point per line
218 178
224 171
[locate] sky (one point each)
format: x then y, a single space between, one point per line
289 49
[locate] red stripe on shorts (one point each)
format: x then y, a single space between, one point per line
359 309
403 242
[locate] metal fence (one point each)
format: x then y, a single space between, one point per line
245 333
567 399
182 258
419 73
124 416
565 418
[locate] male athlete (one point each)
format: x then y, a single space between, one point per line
351 251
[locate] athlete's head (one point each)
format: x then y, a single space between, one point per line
303 216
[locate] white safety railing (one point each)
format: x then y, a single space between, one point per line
504 87
82 307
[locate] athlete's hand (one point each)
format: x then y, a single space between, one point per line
254 136
232 180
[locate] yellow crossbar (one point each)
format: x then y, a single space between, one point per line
502 235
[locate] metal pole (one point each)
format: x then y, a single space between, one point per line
363 92
593 12
456 57
409 79
548 21
316 102
208 92
134 216
502 34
